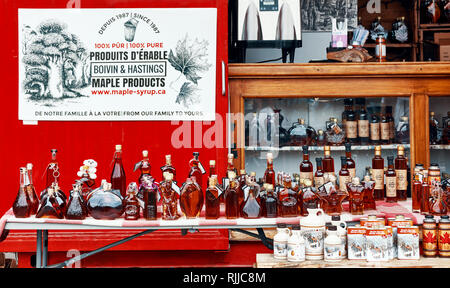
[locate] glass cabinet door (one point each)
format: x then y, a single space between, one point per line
439 116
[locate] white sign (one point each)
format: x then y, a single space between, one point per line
117 64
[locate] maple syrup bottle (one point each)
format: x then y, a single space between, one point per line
378 174
34 200
356 192
363 122
344 175
251 207
144 165
318 176
328 161
118 179
308 198
385 128
433 129
212 199
269 175
52 171
191 198
196 171
351 125
270 203
22 205
391 182
230 165
231 197
212 168
425 199
348 108
287 199
351 167
76 207
132 207
169 168
242 179
375 127
417 187
401 169
50 207
149 192
391 122
169 198
369 186
306 167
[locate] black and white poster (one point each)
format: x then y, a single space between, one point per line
117 64
317 14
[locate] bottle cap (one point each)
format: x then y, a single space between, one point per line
231 175
29 166
434 165
168 176
377 148
301 121
401 148
326 148
281 225
242 172
296 227
320 132
307 182
269 186
305 149
429 216
419 165
269 155
404 118
145 153
332 228
212 162
431 113
253 174
230 156
168 157
118 147
372 217
335 218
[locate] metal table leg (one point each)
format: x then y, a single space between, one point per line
38 248
45 248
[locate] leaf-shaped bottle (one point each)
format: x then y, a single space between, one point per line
76 207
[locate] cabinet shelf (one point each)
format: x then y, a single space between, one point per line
332 148
440 147
390 45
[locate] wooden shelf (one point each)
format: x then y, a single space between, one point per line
440 147
390 45
320 148
268 261
434 26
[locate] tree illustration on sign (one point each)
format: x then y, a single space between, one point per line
190 59
55 61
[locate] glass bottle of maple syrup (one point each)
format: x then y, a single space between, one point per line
351 167
212 199
29 187
369 200
374 126
191 198
356 192
309 198
270 203
269 174
363 122
438 206
76 207
242 179
231 197
212 168
318 176
401 169
378 174
132 207
196 172
149 192
391 182
351 124
306 167
52 171
385 128
328 161
169 198
169 168
434 124
49 207
230 165
287 199
251 207
417 187
22 204
425 199
144 165
344 175
118 178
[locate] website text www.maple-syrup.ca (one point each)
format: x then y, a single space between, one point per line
123 92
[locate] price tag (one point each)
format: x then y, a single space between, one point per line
176 188
268 5
201 168
137 166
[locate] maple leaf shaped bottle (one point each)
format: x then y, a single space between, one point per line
196 172
191 198
212 199
118 178
169 198
22 204
231 197
251 207
76 207
34 200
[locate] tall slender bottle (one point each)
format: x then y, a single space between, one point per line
31 190
401 169
417 187
385 128
306 167
22 204
328 161
391 121
425 201
230 165
391 181
212 168
351 125
118 178
434 124
363 122
169 168
150 198
52 171
269 175
196 172
232 209
212 199
318 176
375 126
344 175
378 174
351 167
242 179
348 106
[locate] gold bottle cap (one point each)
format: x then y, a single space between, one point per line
320 131
168 176
326 148
253 174
269 156
242 171
118 148
231 175
431 113
29 166
301 121
212 162
377 148
145 153
307 182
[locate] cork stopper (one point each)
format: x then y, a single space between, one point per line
326 148
431 113
145 153
168 159
320 132
168 176
230 157
307 182
269 156
301 121
242 172
212 162
118 147
29 166
269 187
377 148
253 174
356 181
231 175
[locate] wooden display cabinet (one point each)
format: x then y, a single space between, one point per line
415 81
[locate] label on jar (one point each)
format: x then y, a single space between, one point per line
378 176
318 181
356 243
429 240
444 240
363 128
343 180
391 130
380 50
375 131
391 187
313 242
385 131
306 175
402 179
333 252
351 129
352 172
296 252
434 175
279 249
408 243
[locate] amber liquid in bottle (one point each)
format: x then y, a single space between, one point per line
195 172
132 207
22 204
118 179
191 199
328 161
417 187
50 208
169 198
52 172
231 198
351 125
425 201
169 168
269 175
363 122
351 166
230 165
212 199
150 198
385 126
318 176
344 175
287 199
242 179
356 192
145 165
76 207
34 200
369 186
212 168
374 128
306 167
308 198
391 182
270 203
378 174
401 169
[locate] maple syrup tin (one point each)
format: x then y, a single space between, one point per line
372 221
408 243
377 244
399 221
391 246
356 242
444 236
429 239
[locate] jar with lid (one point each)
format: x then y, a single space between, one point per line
296 245
430 237
434 173
342 232
280 242
313 230
444 236
333 245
